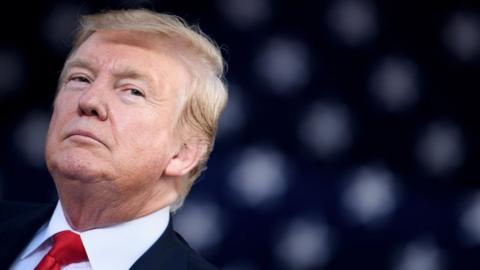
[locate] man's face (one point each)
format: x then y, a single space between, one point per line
115 115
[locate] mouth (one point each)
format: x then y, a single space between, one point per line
85 135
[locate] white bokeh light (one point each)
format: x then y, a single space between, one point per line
304 244
371 196
353 21
245 14
422 254
462 36
283 65
29 137
12 71
326 129
259 177
470 221
201 224
394 83
440 149
234 116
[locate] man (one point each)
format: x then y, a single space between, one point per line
134 121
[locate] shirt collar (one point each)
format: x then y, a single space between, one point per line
113 247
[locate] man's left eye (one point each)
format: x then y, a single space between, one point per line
136 92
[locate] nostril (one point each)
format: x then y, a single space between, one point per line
94 112
92 106
89 111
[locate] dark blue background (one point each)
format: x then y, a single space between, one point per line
350 140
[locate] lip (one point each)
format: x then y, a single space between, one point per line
85 134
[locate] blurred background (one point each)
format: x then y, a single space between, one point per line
350 140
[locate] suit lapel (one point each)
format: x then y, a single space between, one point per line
19 223
166 253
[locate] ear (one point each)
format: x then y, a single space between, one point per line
185 159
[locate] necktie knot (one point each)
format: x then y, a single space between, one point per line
67 248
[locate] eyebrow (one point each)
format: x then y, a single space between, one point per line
123 72
131 73
79 63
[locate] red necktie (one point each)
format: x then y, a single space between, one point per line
67 248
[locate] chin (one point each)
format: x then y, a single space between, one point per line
76 165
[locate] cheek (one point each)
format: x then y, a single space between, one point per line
64 105
57 120
54 125
143 150
145 136
64 109
138 134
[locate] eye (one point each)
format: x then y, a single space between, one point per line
79 78
136 92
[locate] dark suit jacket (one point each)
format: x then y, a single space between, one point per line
19 223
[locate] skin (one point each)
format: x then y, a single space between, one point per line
113 147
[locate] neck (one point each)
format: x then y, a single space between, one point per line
96 205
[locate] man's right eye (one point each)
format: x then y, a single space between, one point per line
82 79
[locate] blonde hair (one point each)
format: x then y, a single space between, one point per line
207 95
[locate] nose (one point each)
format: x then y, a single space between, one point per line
93 103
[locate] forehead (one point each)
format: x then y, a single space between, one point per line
132 51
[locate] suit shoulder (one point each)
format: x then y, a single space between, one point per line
195 260
18 224
14 210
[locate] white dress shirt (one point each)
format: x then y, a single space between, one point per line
115 247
